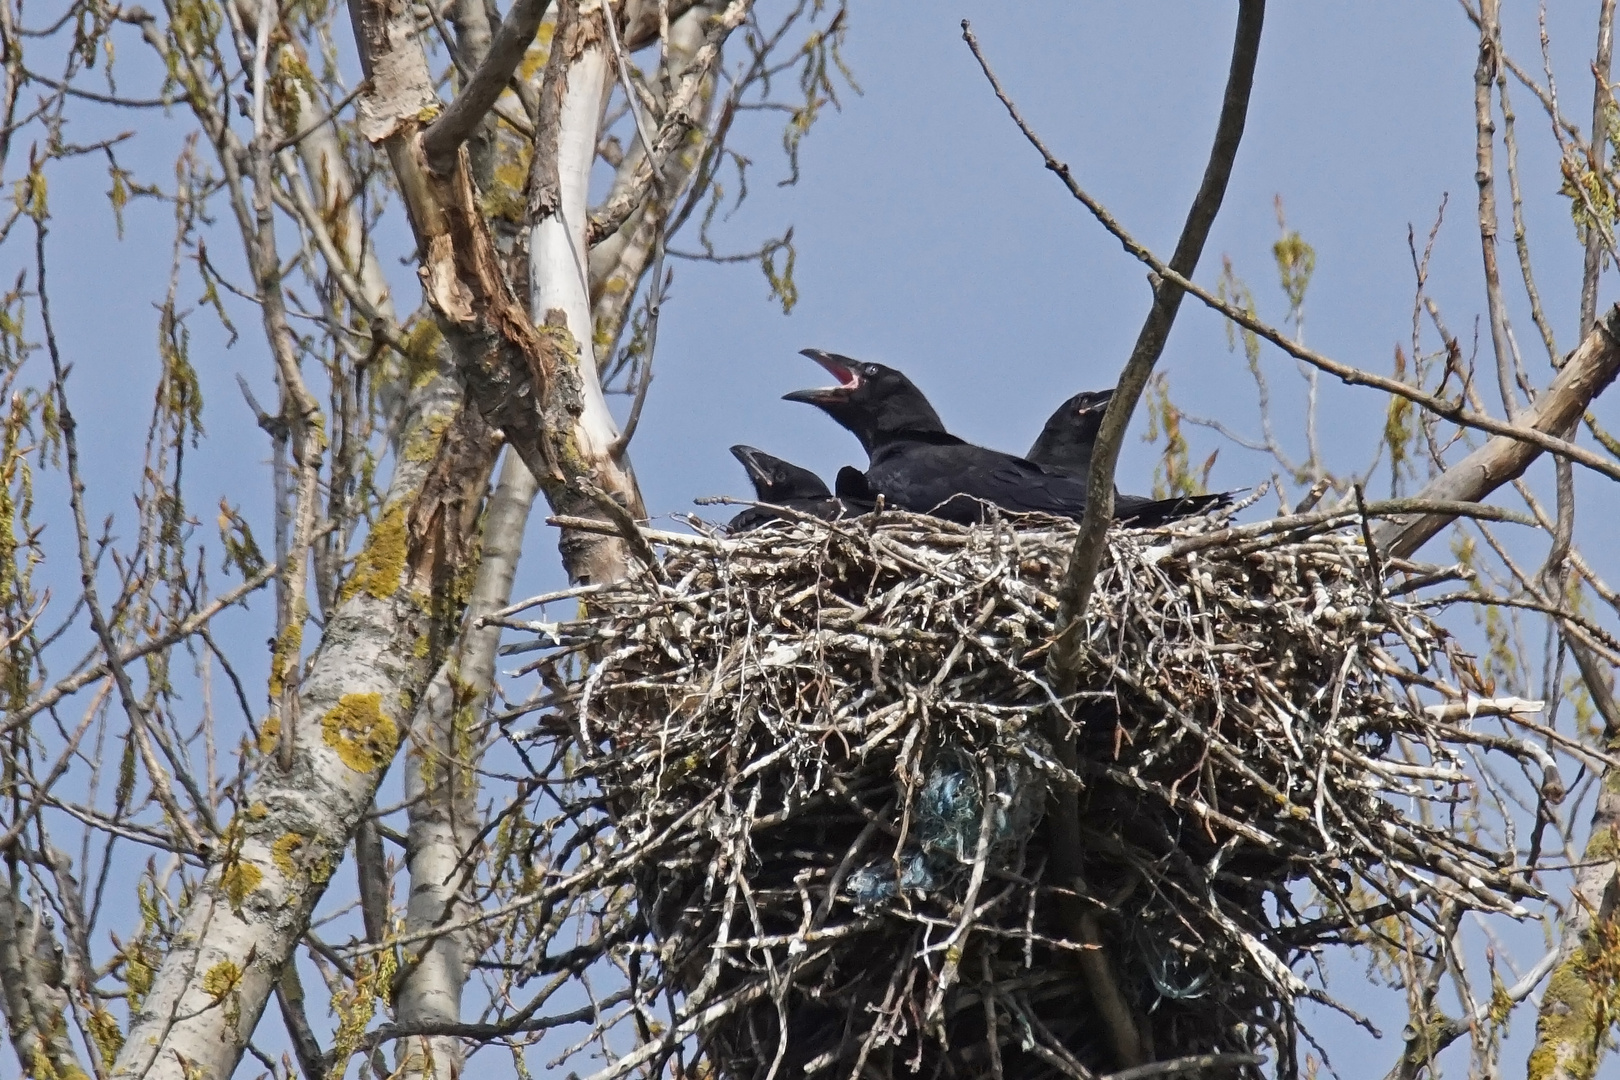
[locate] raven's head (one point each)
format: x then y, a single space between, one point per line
775 480
1070 431
871 400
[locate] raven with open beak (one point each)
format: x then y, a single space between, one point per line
915 464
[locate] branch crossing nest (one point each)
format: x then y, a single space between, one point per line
820 757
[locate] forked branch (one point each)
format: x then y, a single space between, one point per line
1589 369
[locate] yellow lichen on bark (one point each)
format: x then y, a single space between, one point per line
298 859
221 982
284 655
283 850
361 733
221 979
238 880
42 1068
1583 995
268 734
381 566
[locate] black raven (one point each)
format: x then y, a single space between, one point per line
916 465
786 484
1070 432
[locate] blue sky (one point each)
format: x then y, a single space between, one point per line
929 237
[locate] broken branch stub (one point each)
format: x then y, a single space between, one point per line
1586 374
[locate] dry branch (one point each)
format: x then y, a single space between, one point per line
457 123
1586 374
1065 656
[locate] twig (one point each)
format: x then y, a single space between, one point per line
189 835
1166 301
1590 369
657 199
336 111
1485 73
1192 1063
74 683
1453 411
1597 160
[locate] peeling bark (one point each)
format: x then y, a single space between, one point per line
533 379
439 784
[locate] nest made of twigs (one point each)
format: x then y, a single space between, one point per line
826 755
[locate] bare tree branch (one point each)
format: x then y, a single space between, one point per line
1087 556
1587 372
457 123
1597 159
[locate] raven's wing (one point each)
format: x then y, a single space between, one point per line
752 518
945 479
850 483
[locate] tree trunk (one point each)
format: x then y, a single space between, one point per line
442 825
441 789
381 647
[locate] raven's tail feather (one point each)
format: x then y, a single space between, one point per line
1151 512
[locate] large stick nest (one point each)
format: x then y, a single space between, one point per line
824 758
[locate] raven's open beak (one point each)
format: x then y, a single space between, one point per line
848 380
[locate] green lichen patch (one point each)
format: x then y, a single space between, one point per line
1565 1020
139 966
41 1067
361 733
422 346
107 1035
425 443
1583 993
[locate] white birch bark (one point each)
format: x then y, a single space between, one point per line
559 273
254 905
439 783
